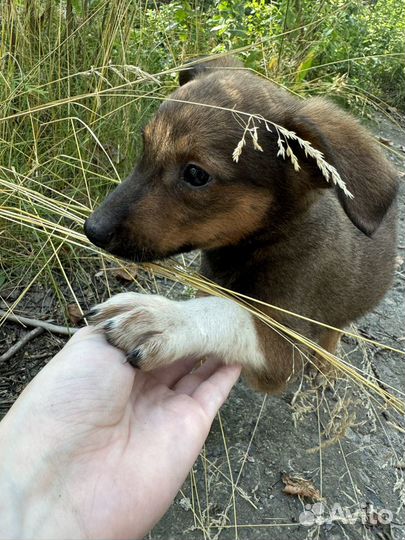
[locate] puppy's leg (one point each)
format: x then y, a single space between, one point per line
284 359
155 331
329 341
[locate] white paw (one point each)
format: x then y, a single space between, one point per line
154 331
150 329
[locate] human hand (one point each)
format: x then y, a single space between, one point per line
95 449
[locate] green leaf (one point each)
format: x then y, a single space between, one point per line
303 68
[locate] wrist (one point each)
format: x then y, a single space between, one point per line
10 506
32 501
30 514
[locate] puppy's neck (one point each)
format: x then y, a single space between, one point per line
228 264
280 238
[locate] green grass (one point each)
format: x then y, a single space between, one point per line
79 79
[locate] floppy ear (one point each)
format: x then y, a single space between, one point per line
206 65
351 150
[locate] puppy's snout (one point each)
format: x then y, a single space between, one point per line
98 232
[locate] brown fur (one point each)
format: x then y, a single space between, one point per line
286 237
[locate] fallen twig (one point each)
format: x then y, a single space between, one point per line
55 329
21 342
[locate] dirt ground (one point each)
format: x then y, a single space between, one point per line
236 487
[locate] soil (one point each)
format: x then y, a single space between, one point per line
341 439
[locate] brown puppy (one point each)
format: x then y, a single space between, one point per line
283 236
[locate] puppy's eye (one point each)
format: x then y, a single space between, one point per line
195 176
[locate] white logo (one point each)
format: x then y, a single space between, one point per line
318 514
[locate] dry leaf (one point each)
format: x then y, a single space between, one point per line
399 261
75 313
299 487
127 273
385 141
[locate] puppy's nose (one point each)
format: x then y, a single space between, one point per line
98 233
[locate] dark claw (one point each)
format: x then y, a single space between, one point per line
108 326
135 357
91 313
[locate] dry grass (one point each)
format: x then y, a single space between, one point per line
55 230
284 149
69 125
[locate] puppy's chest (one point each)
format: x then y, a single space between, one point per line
224 269
280 278
238 273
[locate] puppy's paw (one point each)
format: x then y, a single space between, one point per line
154 331
150 329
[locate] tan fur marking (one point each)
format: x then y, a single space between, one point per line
165 223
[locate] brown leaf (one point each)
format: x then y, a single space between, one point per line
385 141
127 273
300 487
75 313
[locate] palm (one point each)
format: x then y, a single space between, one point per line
129 438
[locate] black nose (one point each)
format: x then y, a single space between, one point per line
98 233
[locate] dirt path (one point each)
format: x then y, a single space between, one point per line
238 478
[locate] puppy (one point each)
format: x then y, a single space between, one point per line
285 236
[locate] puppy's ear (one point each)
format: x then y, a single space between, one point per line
350 149
206 65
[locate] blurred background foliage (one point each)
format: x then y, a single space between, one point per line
79 79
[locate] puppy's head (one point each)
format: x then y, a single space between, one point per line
187 192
